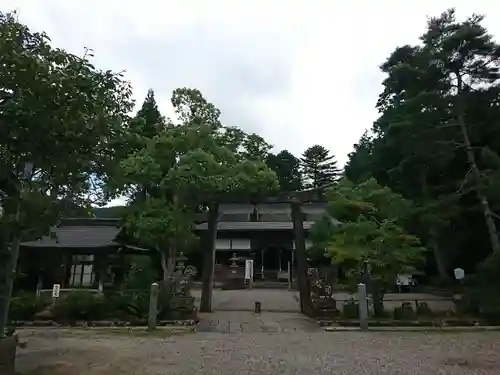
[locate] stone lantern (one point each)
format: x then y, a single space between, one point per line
233 260
180 262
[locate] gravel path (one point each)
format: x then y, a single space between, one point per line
296 352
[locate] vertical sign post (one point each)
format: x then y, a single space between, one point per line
249 272
56 289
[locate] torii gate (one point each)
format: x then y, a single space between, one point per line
296 199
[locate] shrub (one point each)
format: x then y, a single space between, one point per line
405 312
130 305
80 305
350 309
24 306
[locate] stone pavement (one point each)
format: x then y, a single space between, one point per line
282 300
248 322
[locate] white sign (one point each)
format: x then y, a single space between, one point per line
248 269
459 273
55 290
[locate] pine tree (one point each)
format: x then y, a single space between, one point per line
152 119
318 167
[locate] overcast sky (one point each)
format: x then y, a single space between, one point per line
296 72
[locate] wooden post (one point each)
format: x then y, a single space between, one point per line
289 276
250 281
300 248
39 285
153 306
209 260
363 307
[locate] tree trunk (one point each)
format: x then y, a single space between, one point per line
300 249
10 273
209 259
476 174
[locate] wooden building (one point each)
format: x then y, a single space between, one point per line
262 232
77 253
89 252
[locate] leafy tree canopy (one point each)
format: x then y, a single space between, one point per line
372 231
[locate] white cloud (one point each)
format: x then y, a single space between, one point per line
299 73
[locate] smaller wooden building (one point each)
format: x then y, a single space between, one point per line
77 253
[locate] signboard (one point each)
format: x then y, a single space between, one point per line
55 290
248 269
459 273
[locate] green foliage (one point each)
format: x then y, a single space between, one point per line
149 120
63 117
318 167
80 305
129 305
141 275
437 140
158 223
25 305
53 100
320 236
371 231
179 170
287 169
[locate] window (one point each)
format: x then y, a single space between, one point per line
308 244
82 270
240 244
222 244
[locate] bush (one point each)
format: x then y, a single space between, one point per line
130 305
80 305
405 312
350 310
24 306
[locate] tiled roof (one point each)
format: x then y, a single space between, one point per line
74 233
255 225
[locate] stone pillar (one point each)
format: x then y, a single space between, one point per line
363 307
153 306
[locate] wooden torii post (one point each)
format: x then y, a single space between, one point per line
296 199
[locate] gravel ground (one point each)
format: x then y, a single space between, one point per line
299 352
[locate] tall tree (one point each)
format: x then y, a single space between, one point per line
372 230
318 167
61 116
190 167
437 142
287 168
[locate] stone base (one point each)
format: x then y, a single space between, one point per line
8 348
